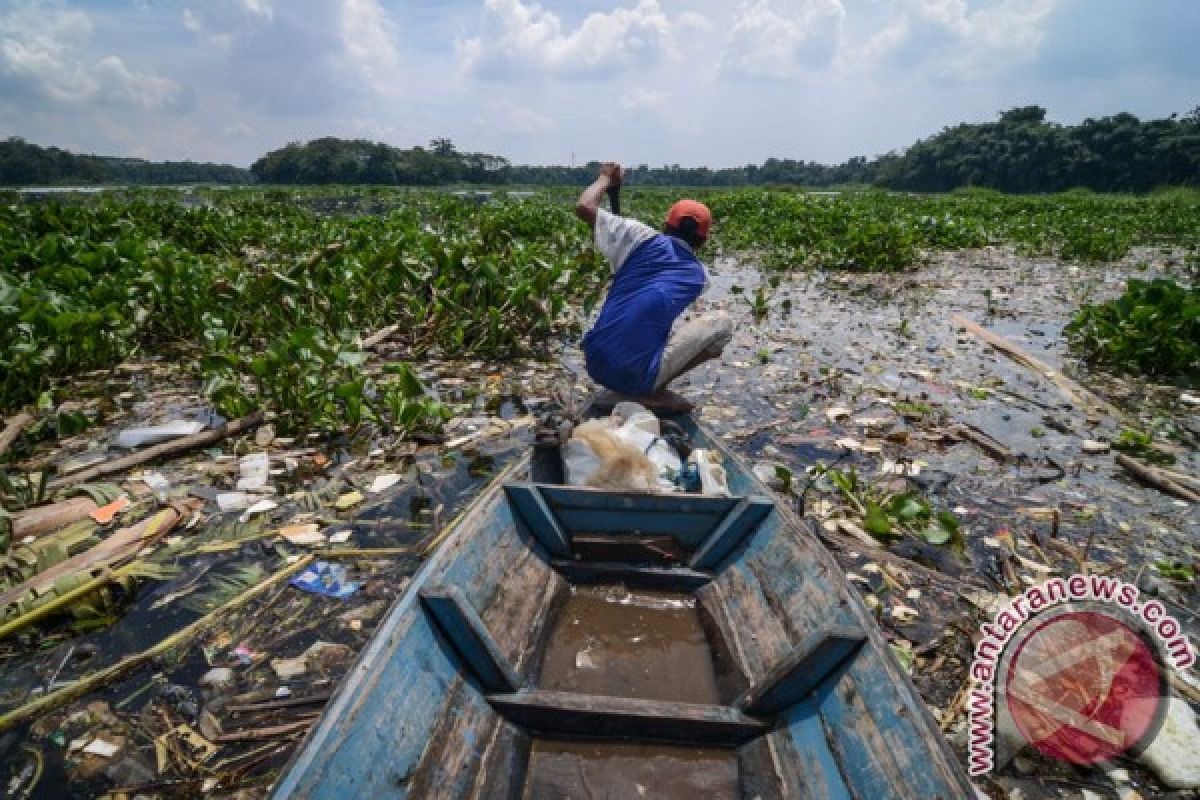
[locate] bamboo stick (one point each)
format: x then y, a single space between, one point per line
1157 479
174 446
367 552
61 601
96 680
266 733
123 544
1182 478
43 519
1078 395
379 336
13 429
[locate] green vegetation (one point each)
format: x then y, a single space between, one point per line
1153 328
25 163
1020 152
268 292
1141 445
888 515
878 231
269 298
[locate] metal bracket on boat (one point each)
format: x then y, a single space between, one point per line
741 520
792 679
457 619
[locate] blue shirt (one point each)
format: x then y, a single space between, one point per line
654 285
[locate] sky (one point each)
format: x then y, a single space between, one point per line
689 82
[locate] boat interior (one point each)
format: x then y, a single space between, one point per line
569 642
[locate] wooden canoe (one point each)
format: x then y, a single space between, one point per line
484 682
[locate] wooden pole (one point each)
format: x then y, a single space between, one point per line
43 519
1157 479
90 683
13 429
180 445
122 544
1078 395
62 600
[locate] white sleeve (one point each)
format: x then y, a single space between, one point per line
617 237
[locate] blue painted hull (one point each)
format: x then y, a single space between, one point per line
420 715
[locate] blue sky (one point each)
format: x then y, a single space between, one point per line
717 82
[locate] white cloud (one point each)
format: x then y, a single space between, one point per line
506 117
525 38
955 42
641 98
218 21
783 39
304 55
369 39
41 53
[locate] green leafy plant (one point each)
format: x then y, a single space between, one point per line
1153 328
890 515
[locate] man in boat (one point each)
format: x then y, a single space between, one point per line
632 348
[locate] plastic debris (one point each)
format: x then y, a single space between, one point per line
137 437
255 470
235 501
341 537
156 481
99 747
384 482
348 500
306 535
324 578
1174 753
218 678
319 656
105 514
261 507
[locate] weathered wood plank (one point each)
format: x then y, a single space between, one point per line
585 499
791 680
820 777
519 609
541 523
629 548
574 715
460 623
678 579
505 765
739 523
687 527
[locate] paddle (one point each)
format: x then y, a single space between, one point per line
614 198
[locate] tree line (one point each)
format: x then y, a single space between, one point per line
1019 152
24 164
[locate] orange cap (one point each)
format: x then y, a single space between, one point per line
695 210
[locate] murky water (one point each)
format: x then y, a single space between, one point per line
592 771
609 640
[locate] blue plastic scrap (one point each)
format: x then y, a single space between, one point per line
326 579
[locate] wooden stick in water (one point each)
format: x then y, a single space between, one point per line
173 447
96 680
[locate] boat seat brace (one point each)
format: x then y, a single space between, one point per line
453 614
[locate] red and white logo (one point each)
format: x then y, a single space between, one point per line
1084 687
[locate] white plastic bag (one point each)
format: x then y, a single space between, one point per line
713 479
